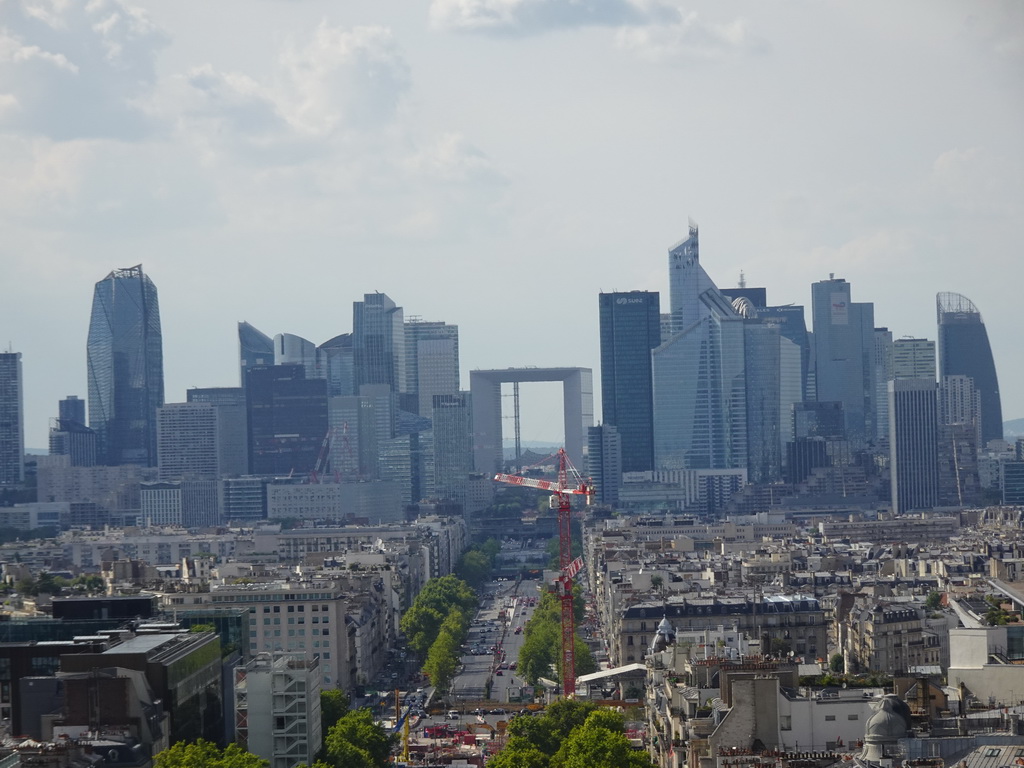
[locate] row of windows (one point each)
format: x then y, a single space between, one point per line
291 609
292 620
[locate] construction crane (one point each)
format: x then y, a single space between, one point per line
315 475
561 499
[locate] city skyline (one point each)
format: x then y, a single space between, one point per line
470 166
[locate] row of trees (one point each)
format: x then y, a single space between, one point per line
570 734
542 640
477 564
351 740
48 583
436 626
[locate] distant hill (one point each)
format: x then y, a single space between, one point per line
1013 428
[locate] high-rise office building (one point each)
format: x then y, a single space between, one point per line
792 326
187 441
125 367
71 408
913 444
959 442
232 426
699 389
290 349
964 350
630 329
844 344
254 348
883 375
287 417
336 365
604 463
12 419
765 422
73 439
378 342
453 445
431 362
913 359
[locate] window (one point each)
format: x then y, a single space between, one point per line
853 717
326 632
829 718
786 722
291 609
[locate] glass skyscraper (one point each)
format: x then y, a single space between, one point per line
254 348
699 389
378 342
844 356
287 417
12 419
125 367
630 329
964 351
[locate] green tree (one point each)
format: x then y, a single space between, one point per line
422 622
836 663
934 601
570 734
333 706
519 754
474 568
206 754
592 745
88 583
356 733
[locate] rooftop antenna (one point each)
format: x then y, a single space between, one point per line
743 280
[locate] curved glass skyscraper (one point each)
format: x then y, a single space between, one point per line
964 351
125 367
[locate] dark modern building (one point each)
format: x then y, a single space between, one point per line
604 462
71 408
125 367
12 419
844 355
184 670
254 348
964 350
630 329
378 342
287 417
913 444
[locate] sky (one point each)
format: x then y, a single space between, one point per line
496 164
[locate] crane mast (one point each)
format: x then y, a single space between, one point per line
561 500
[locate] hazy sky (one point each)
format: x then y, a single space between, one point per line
496 164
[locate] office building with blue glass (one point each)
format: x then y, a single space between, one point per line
964 350
125 368
630 329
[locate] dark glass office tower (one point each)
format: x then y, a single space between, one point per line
287 419
844 353
378 342
630 329
125 368
12 419
964 351
254 348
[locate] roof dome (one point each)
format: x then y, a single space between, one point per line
744 307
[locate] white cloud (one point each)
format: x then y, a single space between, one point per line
77 70
451 158
525 17
689 37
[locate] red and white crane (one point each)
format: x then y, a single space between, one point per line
569 483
